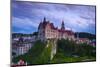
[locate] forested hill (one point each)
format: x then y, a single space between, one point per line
81 35
85 35
21 34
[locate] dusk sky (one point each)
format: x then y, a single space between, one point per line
26 16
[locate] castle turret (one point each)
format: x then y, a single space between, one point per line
44 20
62 26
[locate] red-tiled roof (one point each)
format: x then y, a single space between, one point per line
43 25
17 45
69 32
66 31
83 38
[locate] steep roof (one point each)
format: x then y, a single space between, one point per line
45 23
69 32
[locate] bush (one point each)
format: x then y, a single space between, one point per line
70 48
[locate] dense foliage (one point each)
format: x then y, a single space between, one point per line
71 48
38 54
85 35
67 51
14 35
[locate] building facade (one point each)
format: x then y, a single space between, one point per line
21 47
47 30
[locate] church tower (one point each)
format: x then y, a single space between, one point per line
62 26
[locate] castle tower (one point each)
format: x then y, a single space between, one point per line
62 26
44 20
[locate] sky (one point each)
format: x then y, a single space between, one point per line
26 16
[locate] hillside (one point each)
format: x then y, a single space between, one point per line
14 35
67 51
85 35
38 54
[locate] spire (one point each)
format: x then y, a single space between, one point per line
44 20
62 26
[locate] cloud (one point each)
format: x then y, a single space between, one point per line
24 24
76 17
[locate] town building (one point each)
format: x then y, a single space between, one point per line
21 47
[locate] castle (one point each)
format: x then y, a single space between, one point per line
46 30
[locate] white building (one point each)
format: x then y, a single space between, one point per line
20 49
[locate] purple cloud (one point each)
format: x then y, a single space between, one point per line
80 18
